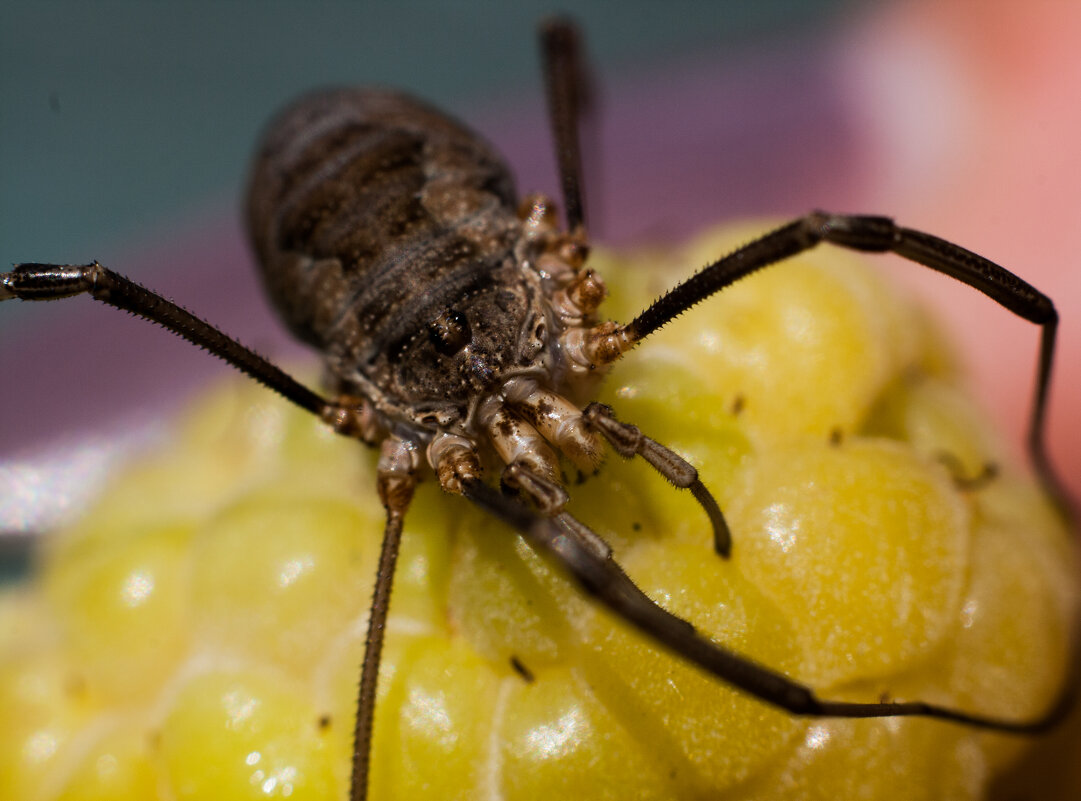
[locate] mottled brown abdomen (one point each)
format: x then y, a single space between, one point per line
367 210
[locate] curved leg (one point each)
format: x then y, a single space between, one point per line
607 342
602 577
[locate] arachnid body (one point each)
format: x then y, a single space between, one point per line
460 332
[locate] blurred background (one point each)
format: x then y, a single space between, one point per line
126 129
121 118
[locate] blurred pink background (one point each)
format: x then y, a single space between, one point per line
982 148
958 118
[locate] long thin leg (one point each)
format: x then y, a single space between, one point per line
396 485
602 577
567 89
55 281
876 235
373 652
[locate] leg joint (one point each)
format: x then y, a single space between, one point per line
868 233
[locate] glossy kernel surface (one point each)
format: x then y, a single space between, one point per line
198 633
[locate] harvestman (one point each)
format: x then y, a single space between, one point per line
452 321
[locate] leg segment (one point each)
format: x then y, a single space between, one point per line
567 90
871 234
517 442
351 416
600 576
397 465
629 441
547 495
55 281
558 420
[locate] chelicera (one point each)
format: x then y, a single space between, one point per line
460 329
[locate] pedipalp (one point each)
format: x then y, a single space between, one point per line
629 441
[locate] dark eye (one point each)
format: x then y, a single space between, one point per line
449 332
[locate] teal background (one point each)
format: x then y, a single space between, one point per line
119 117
